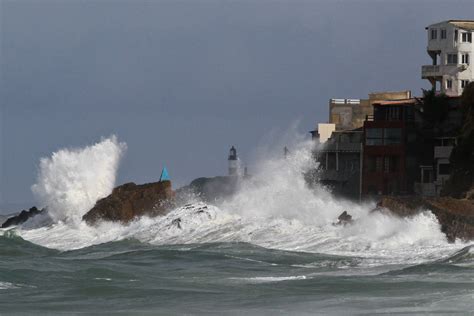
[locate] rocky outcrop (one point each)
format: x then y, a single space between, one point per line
130 200
211 189
22 217
344 219
456 216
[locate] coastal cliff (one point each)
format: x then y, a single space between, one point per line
130 200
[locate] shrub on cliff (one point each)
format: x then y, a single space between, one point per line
461 181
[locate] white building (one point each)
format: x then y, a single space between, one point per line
451 49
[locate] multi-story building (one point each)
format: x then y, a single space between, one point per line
451 49
340 163
389 135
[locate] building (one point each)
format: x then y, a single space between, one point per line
340 163
390 162
349 114
451 50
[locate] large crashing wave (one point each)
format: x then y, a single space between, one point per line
275 209
72 180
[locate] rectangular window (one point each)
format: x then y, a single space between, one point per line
434 34
371 163
379 164
392 136
443 168
455 36
466 37
393 113
451 59
443 34
386 166
449 84
465 59
464 83
374 136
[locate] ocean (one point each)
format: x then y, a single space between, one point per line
273 248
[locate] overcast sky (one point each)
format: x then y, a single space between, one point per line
181 81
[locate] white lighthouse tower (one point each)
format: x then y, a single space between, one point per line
233 162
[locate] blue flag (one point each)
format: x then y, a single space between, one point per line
164 175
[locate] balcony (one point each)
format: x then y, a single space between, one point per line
442 151
430 71
425 189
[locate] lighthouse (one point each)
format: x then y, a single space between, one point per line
233 162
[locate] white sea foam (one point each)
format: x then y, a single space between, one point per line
72 180
276 209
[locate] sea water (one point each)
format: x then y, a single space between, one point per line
271 249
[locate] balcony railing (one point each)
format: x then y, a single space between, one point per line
442 151
430 71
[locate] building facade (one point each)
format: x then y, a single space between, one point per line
451 49
349 114
340 163
389 135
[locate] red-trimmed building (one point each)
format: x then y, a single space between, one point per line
388 137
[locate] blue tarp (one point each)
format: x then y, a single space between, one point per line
164 175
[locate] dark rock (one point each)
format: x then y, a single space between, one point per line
176 222
456 216
344 219
129 201
22 217
211 189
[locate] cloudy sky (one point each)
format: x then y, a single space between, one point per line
181 81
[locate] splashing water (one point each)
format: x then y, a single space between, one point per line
72 180
274 209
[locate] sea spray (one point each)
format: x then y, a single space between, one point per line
275 208
72 180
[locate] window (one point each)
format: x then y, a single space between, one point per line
443 168
393 113
449 84
443 34
451 59
379 163
466 37
464 83
392 136
371 163
434 34
465 58
455 36
374 136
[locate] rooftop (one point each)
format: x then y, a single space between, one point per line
462 24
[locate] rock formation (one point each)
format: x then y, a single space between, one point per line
22 217
130 200
456 216
211 189
344 219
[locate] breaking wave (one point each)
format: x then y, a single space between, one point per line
274 209
72 180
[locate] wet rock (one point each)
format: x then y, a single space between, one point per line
22 217
455 216
344 219
130 200
176 222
